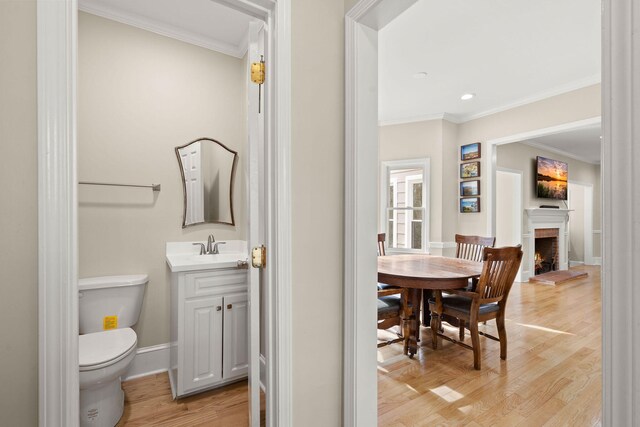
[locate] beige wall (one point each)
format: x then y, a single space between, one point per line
317 210
436 140
18 221
440 140
139 96
416 141
569 107
522 157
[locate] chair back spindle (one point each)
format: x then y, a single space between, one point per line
381 239
498 273
472 247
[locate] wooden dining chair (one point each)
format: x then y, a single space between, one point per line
467 247
392 304
487 302
472 247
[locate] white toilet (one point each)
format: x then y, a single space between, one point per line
108 307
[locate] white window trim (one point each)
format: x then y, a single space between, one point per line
385 167
409 182
393 183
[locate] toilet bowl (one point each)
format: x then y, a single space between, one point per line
107 345
104 358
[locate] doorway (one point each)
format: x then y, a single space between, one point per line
58 346
581 231
509 209
363 23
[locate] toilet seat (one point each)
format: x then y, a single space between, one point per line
100 349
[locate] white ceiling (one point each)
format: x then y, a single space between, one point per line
582 144
507 52
200 22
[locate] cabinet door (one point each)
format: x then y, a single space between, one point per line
202 343
236 339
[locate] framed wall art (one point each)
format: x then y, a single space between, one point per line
470 188
470 205
470 170
470 151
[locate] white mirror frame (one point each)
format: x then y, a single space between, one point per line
57 37
621 198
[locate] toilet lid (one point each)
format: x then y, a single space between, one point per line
101 347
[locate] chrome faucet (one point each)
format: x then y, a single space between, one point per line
202 250
210 244
215 247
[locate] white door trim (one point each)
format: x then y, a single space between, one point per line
621 195
57 208
58 388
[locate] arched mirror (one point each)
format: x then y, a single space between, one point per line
208 168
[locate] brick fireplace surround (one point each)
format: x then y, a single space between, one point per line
539 222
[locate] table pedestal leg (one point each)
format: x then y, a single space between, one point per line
414 329
435 319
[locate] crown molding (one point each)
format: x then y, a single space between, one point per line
463 118
167 30
558 90
441 116
561 152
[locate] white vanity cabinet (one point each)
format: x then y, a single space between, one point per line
209 329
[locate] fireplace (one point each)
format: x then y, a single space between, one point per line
545 244
546 252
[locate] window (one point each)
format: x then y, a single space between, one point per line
404 213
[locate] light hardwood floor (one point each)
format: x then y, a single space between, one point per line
148 402
552 375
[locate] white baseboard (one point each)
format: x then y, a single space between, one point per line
149 361
442 245
575 263
597 260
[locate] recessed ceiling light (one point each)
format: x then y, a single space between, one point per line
467 96
420 75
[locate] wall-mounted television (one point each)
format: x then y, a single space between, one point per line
551 179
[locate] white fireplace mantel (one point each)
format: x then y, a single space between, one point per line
548 218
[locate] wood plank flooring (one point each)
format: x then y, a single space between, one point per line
552 375
148 402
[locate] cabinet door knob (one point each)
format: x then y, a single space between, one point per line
229 306
218 308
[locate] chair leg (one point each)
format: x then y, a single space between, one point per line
502 334
461 332
475 343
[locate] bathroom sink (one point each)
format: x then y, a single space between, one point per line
185 256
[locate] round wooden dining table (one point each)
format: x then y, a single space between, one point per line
417 272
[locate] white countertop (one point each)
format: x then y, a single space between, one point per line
185 256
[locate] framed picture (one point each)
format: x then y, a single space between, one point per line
470 188
470 151
470 170
470 204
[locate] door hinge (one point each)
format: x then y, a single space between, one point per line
257 76
259 257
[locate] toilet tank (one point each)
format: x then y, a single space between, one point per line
110 302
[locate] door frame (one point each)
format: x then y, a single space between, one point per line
588 221
519 209
57 40
621 193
